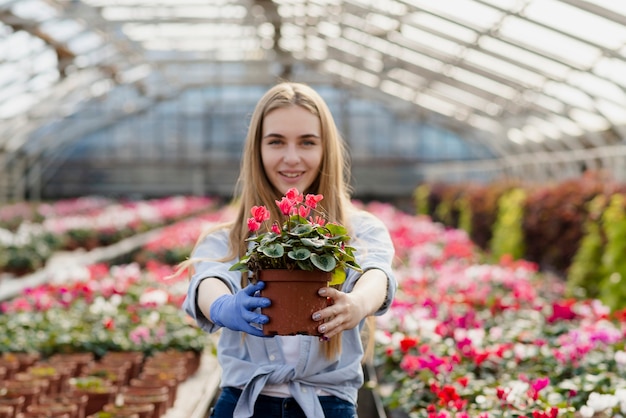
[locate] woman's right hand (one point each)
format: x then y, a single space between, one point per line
236 312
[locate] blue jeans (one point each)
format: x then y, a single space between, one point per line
271 407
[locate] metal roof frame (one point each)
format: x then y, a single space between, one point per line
463 64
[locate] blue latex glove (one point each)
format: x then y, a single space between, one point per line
236 312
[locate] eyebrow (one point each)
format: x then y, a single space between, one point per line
309 135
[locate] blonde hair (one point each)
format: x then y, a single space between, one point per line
254 187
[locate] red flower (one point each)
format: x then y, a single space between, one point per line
304 211
260 213
253 225
562 311
407 343
109 323
312 200
294 195
285 205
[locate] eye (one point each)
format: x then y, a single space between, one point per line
310 141
274 140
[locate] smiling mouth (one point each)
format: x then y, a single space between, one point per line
291 175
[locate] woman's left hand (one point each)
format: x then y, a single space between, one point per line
344 313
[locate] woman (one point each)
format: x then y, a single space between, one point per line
292 142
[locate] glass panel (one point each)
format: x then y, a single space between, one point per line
436 104
577 22
440 25
566 125
407 77
507 70
85 42
589 120
398 90
554 44
459 95
462 11
485 124
483 83
541 100
430 41
62 30
568 94
597 86
617 6
33 10
544 127
615 113
613 69
527 58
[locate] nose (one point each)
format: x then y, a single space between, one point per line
291 156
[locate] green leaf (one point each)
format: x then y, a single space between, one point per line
303 229
314 242
324 262
300 253
239 267
338 277
274 250
336 230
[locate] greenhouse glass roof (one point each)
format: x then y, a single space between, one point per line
522 76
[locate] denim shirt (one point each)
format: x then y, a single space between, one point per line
251 362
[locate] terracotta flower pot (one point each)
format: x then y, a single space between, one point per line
99 392
136 359
294 300
15 402
134 396
170 384
10 366
31 391
54 410
79 402
6 411
140 410
79 359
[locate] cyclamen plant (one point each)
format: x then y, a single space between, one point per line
304 241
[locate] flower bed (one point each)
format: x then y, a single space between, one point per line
31 244
463 338
467 339
101 309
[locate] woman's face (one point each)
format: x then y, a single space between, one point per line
291 148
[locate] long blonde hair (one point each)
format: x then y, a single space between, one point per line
254 187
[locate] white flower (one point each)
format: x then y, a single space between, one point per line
586 411
158 297
518 391
601 402
100 306
621 395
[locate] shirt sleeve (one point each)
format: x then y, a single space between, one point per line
374 250
210 254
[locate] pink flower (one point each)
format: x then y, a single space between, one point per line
312 200
260 213
253 225
276 229
304 211
294 195
139 334
536 386
285 205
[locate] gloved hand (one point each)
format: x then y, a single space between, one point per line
236 312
